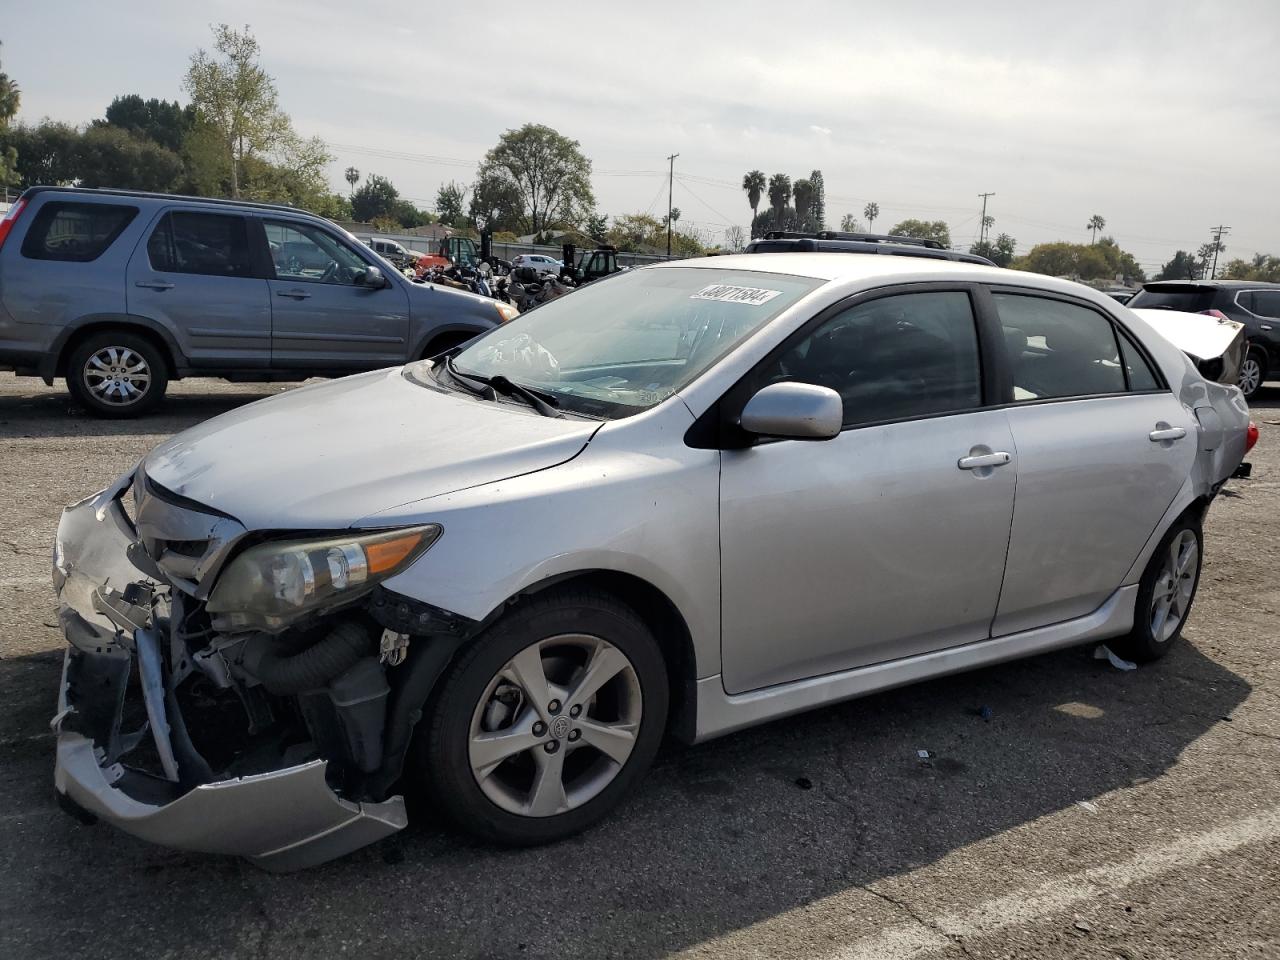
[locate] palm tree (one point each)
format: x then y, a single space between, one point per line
1095 224
779 194
849 223
753 183
353 177
803 193
871 211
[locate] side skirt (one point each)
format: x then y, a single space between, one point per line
720 713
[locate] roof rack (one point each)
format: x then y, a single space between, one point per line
830 241
114 192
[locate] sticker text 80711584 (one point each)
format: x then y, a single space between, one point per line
728 293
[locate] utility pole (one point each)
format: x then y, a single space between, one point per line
982 228
671 176
1218 231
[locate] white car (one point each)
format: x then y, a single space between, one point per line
537 261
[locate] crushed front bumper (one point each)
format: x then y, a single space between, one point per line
281 819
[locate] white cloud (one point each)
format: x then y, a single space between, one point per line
821 131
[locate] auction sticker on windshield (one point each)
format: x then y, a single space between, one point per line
727 293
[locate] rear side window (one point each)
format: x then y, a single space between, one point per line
1191 299
75 232
208 244
1266 303
1058 350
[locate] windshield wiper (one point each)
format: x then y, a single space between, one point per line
489 387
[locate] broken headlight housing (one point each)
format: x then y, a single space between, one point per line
272 585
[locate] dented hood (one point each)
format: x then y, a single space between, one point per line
327 455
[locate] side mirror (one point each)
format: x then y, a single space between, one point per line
373 278
796 411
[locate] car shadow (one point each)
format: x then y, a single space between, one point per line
719 836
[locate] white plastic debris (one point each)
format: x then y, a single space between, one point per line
922 754
1103 652
1088 805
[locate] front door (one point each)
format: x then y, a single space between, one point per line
1103 448
322 316
888 540
195 275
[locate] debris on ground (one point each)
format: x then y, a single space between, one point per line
1082 925
1103 652
1088 805
804 783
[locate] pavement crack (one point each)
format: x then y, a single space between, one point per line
910 911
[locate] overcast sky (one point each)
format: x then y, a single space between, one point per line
1162 117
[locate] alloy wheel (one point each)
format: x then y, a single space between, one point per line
1250 375
555 725
1175 586
117 376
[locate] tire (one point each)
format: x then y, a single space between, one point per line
1253 373
491 786
1169 583
117 374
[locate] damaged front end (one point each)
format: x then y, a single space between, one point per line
274 730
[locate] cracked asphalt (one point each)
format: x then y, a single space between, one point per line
1097 813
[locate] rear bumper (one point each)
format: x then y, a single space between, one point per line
281 819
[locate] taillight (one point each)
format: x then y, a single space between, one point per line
1251 436
10 219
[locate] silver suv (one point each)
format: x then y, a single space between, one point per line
121 292
690 498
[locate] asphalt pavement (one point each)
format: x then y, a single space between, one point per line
1066 808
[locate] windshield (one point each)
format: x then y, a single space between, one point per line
626 343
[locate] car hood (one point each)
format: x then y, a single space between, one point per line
325 456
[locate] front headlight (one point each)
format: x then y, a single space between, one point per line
273 584
506 311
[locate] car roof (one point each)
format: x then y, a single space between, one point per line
170 197
1158 285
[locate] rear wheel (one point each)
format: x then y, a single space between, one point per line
116 374
548 720
1165 594
1252 373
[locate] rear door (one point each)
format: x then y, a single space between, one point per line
194 273
323 317
1103 447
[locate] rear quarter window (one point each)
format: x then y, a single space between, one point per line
1188 299
75 232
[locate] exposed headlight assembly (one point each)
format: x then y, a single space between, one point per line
273 584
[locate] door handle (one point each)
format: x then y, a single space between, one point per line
293 294
1167 433
155 284
998 459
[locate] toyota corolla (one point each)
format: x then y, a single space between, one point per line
693 498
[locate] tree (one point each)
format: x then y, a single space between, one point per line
779 194
1086 261
802 193
352 176
1205 255
237 99
496 205
641 233
818 206
924 230
1263 267
871 211
998 251
596 226
849 223
108 156
1183 266
753 184
43 154
449 203
376 197
1095 224
735 238
10 98
166 122
545 172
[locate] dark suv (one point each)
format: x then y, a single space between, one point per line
121 292
1253 303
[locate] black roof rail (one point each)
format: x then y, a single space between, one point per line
148 195
858 237
781 241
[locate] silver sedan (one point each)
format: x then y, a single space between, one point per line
693 498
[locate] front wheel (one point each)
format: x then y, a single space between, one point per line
548 720
1165 594
1252 374
116 374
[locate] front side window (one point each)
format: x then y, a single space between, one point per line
897 357
628 342
208 244
76 232
302 252
1057 349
